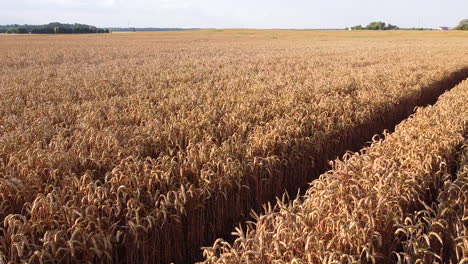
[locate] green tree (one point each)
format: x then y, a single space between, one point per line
463 25
376 26
51 28
22 30
391 27
42 30
358 27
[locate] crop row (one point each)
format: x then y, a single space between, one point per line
439 231
143 149
374 203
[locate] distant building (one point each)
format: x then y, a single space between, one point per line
442 28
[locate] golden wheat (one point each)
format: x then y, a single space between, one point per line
142 148
439 232
358 212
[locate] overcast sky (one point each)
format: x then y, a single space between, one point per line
235 13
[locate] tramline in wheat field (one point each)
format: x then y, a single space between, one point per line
155 147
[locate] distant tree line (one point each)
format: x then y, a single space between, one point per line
417 28
376 26
463 25
52 28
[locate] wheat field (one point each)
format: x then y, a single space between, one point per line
397 201
146 147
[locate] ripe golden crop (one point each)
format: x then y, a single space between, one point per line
142 148
365 209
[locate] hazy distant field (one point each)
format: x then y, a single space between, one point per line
144 147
